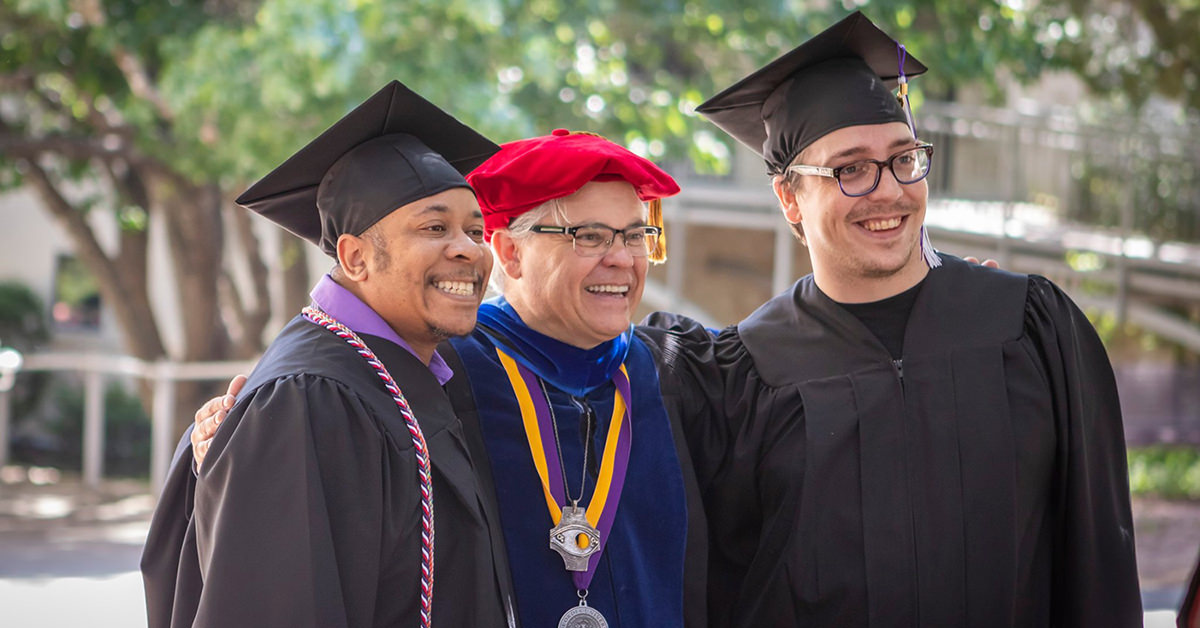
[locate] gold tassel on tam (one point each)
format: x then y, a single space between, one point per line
659 254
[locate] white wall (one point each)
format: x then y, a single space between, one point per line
30 244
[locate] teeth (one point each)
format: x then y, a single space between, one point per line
881 225
461 288
613 288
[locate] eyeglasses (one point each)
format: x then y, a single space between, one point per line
594 240
862 177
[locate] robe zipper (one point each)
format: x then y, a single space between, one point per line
898 364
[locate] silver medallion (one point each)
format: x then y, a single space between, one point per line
575 540
582 616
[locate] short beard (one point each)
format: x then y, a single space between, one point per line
444 334
879 272
871 271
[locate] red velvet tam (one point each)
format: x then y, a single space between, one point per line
527 173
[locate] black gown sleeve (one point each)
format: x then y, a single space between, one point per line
1095 580
294 511
692 384
1189 609
682 354
168 567
728 418
758 499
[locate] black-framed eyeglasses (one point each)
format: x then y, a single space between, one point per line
594 240
862 177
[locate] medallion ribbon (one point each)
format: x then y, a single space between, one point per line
539 430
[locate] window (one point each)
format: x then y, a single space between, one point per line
76 298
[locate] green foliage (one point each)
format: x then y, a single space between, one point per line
73 285
126 433
250 82
23 327
22 317
1127 339
1162 471
1158 185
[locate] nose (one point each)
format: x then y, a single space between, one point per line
889 187
618 254
463 246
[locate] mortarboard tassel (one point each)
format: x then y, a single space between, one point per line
659 254
928 253
902 52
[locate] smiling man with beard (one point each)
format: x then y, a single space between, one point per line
903 438
340 489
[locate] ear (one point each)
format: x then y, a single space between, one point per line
353 253
789 203
508 252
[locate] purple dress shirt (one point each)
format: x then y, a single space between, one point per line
341 304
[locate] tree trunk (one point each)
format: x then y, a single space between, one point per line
196 240
246 312
297 283
125 295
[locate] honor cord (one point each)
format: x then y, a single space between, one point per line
418 439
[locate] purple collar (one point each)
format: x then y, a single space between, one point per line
341 304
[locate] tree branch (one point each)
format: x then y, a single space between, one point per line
20 81
24 80
140 330
131 66
79 147
252 319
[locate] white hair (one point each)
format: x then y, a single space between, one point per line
519 229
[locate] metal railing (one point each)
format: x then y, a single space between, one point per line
95 369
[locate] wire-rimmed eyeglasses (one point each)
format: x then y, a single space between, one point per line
594 240
862 177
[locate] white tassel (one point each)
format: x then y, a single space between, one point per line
927 251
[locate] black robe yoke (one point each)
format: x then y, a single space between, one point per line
307 509
980 481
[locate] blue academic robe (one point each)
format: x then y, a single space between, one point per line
640 577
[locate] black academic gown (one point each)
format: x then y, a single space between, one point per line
1189 609
307 509
979 481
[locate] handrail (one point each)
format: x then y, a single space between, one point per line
95 366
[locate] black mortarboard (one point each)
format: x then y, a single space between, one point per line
393 149
841 77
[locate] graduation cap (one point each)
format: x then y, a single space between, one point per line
393 149
842 77
529 172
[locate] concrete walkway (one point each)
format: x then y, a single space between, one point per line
69 556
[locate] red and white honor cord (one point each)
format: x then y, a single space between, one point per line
418 439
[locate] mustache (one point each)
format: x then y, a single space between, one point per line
882 211
474 277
